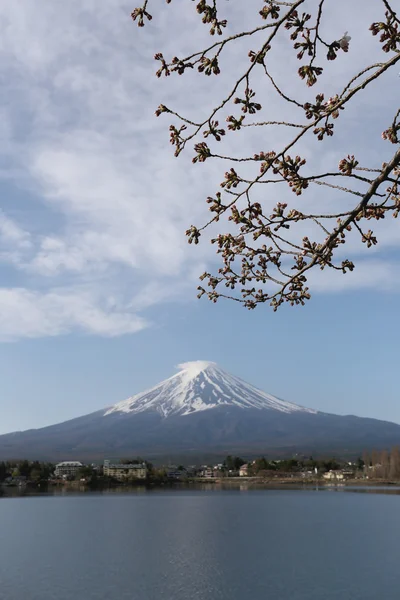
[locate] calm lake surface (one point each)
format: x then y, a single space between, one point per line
204 545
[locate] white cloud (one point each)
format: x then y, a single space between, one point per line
114 215
25 313
15 242
11 234
81 138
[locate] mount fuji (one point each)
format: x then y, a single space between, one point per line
202 411
201 385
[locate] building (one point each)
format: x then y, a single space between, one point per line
206 472
68 468
333 476
125 472
244 470
349 473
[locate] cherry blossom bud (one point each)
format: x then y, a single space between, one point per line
344 42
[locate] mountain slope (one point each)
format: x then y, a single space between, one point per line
201 411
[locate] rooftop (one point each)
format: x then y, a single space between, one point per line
125 466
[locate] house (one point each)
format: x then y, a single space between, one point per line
125 472
333 476
68 468
206 472
349 473
244 470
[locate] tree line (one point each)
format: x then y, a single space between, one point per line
383 464
31 470
376 464
290 465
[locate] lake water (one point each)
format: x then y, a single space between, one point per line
202 545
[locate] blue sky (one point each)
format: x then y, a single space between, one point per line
97 282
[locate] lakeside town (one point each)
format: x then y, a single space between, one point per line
376 467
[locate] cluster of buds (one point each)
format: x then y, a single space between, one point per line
321 253
267 159
310 73
369 239
321 108
347 265
340 231
226 241
390 34
326 129
248 105
176 139
214 131
305 46
373 211
232 180
235 124
193 235
210 17
314 111
332 50
396 211
254 211
139 14
216 205
391 134
161 109
295 215
164 66
240 218
259 57
289 168
202 152
348 164
298 294
333 107
209 66
342 44
180 66
271 10
278 216
297 23
299 262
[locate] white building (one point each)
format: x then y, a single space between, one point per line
244 470
67 468
124 472
333 476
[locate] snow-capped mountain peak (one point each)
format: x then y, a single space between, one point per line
202 385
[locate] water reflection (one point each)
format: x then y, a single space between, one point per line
247 486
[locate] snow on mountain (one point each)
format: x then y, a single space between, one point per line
202 385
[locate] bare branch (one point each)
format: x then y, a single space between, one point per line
263 247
